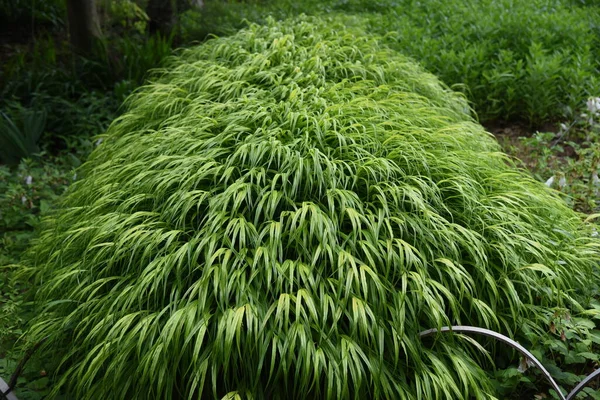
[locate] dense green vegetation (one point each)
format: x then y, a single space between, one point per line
534 61
519 64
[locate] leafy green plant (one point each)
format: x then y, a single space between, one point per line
126 14
517 60
132 59
567 160
19 137
279 214
26 191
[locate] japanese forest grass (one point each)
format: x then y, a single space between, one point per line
279 214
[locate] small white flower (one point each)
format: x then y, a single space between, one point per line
562 182
594 232
593 104
524 364
550 181
28 180
595 179
23 200
563 127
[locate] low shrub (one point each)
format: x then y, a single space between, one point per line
279 213
20 134
516 60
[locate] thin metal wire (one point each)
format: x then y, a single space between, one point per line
510 342
6 393
583 384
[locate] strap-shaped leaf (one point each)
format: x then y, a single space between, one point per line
34 122
12 146
16 143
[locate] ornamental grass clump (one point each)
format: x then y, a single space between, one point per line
278 214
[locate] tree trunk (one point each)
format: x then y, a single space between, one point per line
84 25
162 15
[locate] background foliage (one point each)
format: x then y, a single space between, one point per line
521 64
530 61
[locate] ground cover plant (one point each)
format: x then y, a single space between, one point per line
280 212
26 191
517 60
566 159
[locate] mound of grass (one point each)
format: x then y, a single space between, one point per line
279 213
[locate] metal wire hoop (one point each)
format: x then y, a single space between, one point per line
520 349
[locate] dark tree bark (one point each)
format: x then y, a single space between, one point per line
162 15
84 25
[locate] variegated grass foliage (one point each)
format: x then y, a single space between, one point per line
279 213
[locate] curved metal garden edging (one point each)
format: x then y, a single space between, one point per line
521 349
6 389
6 392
